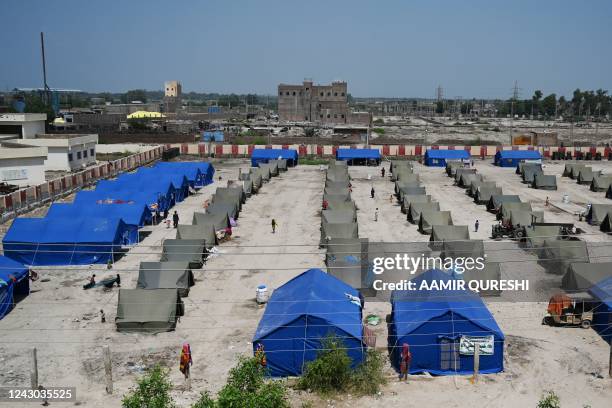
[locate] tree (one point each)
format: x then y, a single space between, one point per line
440 107
134 95
549 105
152 391
535 102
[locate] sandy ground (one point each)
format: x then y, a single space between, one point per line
61 319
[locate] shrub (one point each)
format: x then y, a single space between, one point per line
260 141
380 131
369 376
549 400
152 391
330 371
205 401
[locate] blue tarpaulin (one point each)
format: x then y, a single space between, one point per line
433 322
214 136
438 158
14 281
198 173
64 241
511 158
302 312
265 155
134 215
602 314
356 155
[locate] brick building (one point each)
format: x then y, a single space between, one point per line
326 104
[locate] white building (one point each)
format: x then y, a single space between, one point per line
66 152
22 125
22 165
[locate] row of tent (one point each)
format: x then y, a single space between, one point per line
14 284
532 173
155 304
597 214
503 158
98 223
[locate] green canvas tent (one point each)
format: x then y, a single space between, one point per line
496 201
476 184
402 173
166 275
530 173
281 164
444 233
490 272
581 276
461 171
337 191
569 169
247 187
413 198
273 167
233 193
544 182
337 185
227 206
407 176
264 172
576 169
338 216
429 218
472 248
406 190
586 176
537 234
606 224
340 230
219 221
347 260
483 194
467 178
343 206
601 182
339 196
507 207
557 255
200 231
184 250
398 164
525 218
148 311
597 213
452 166
523 165
415 209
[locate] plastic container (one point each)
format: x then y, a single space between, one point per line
261 294
565 199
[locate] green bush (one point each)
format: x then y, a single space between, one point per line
330 371
205 401
152 391
380 131
260 141
369 376
549 400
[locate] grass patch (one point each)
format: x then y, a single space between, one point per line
379 130
313 161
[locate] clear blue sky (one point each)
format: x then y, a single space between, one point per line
397 48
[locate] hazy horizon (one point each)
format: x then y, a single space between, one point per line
402 50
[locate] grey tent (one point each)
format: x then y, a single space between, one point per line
557 255
597 213
471 248
407 176
224 206
544 182
525 218
581 276
411 191
402 173
342 205
200 231
530 173
338 163
264 172
219 220
339 196
586 175
338 216
340 230
403 184
601 182
537 234
483 194
476 184
247 186
413 198
337 174
609 192
337 185
416 208
191 251
461 171
569 169
166 275
606 224
337 191
398 164
576 169
443 233
273 167
466 179
281 164
429 218
505 209
490 272
452 166
497 200
148 311
235 192
257 180
522 165
347 260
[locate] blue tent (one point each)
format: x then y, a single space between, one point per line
14 280
214 136
438 158
265 155
198 173
303 311
133 215
64 241
602 314
149 200
358 156
511 158
435 323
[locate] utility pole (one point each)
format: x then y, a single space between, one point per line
44 67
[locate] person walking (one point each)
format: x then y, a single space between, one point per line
382 172
547 202
405 360
476 224
376 215
185 362
372 192
175 219
273 225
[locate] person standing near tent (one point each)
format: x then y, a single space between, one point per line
260 355
185 362
372 192
175 219
274 225
376 215
405 360
476 224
